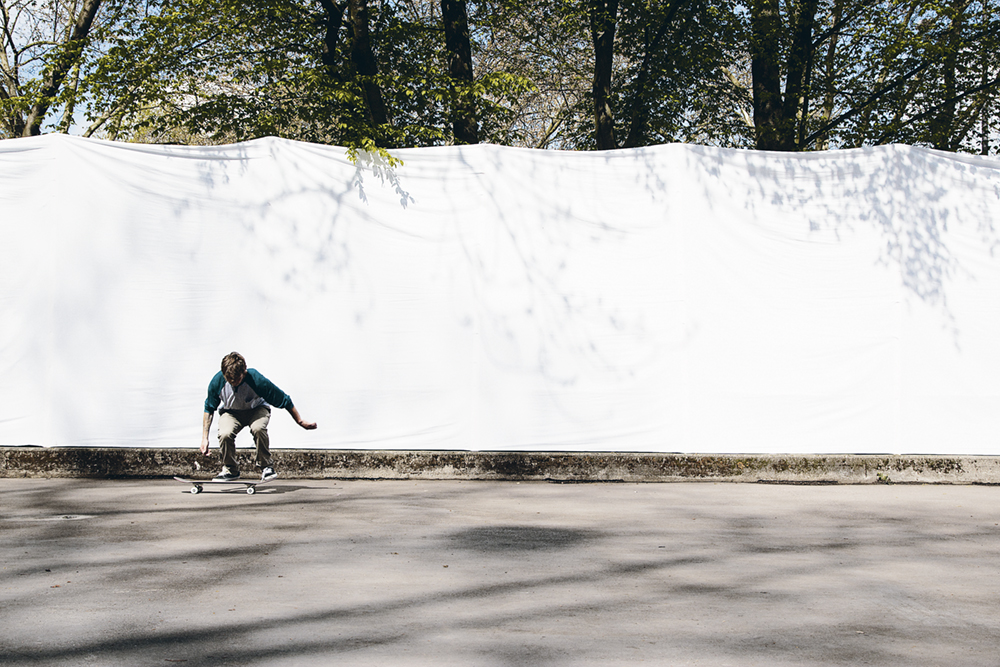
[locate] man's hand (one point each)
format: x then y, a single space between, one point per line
206 424
299 420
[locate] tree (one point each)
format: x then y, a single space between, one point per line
623 73
777 114
334 71
603 15
458 46
543 49
236 71
862 72
674 85
959 44
575 74
48 47
363 59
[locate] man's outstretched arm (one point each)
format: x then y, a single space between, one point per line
206 424
295 415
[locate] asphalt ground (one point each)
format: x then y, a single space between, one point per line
323 572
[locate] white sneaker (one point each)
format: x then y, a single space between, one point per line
227 475
267 474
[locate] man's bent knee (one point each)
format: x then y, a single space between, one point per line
229 426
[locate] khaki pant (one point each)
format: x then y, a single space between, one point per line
232 422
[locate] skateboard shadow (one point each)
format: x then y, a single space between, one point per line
284 488
270 489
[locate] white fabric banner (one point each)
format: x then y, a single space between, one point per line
667 299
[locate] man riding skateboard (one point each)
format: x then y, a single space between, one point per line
243 398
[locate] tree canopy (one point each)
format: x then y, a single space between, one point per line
785 75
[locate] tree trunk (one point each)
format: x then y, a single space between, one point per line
639 122
13 119
74 86
829 67
765 69
56 76
943 136
984 105
796 103
364 62
333 22
459 48
603 20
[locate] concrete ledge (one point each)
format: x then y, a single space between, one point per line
562 467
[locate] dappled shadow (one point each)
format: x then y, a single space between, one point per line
917 209
164 241
382 169
857 580
488 297
556 278
513 539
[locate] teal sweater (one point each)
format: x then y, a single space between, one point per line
254 391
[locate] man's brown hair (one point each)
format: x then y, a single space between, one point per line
233 365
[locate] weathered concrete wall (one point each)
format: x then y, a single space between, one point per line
567 467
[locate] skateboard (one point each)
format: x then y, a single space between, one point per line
249 483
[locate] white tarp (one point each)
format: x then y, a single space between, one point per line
676 298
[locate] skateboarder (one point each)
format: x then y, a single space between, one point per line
244 397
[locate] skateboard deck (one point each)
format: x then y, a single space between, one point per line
250 484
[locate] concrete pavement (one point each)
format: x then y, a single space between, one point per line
321 572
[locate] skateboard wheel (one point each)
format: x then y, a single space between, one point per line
196 488
251 490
